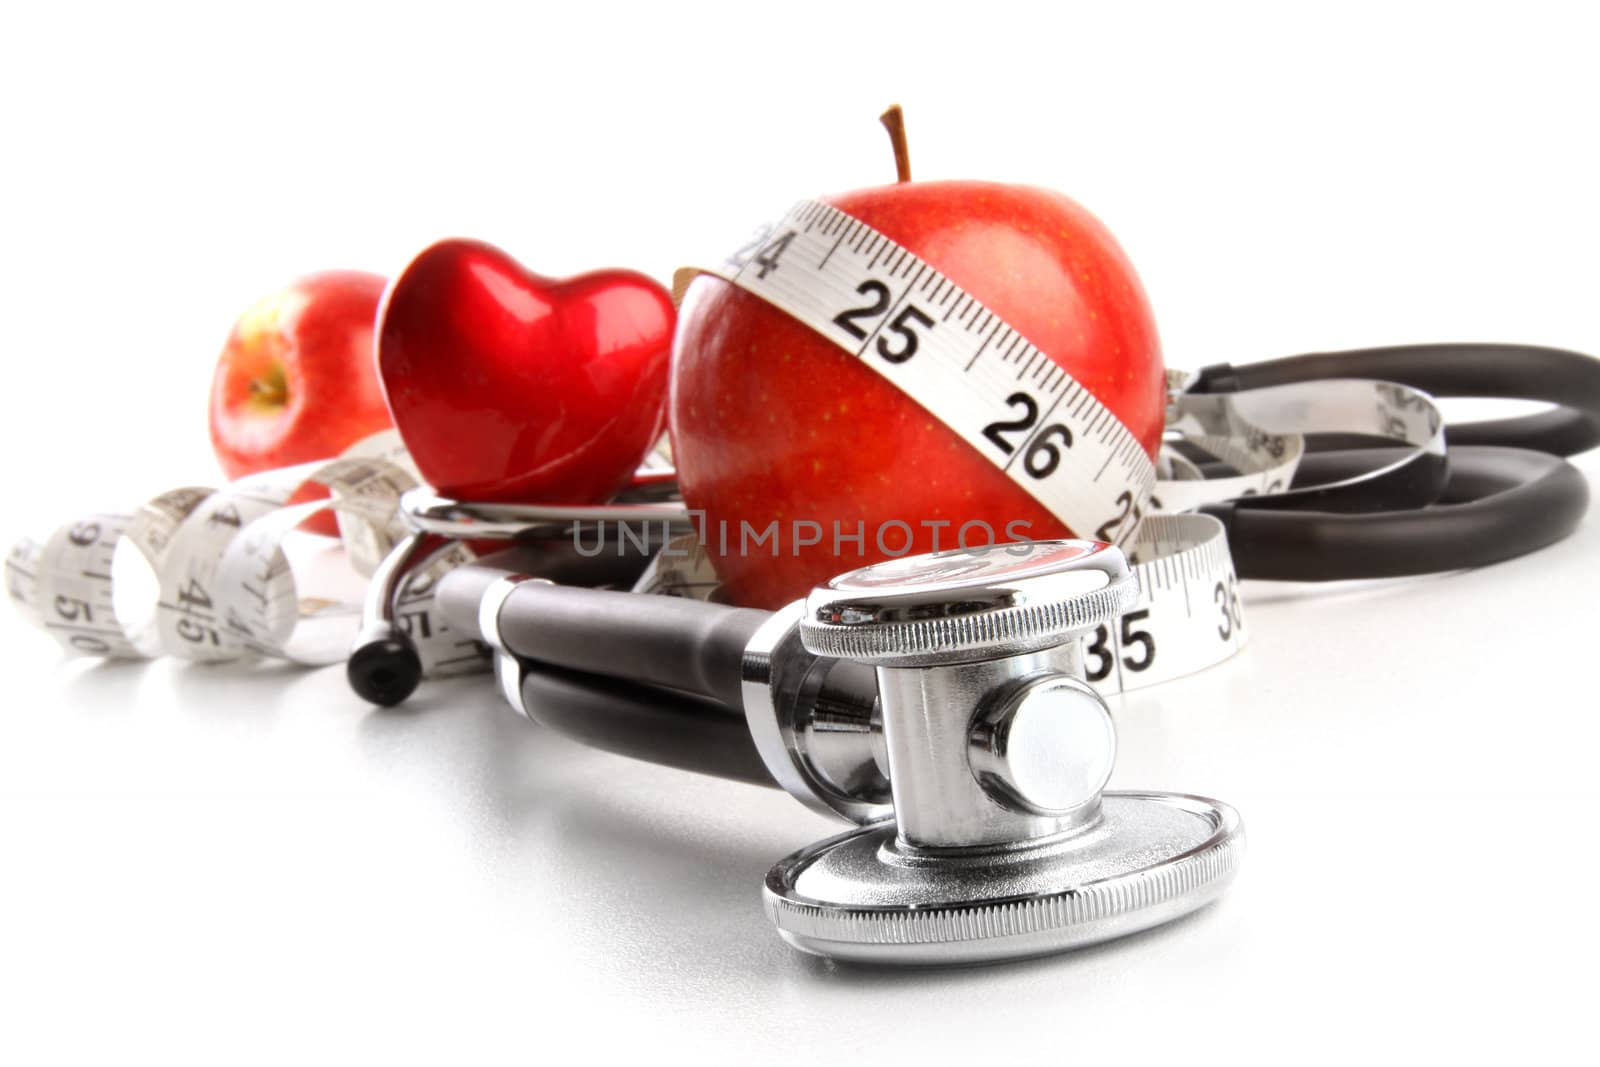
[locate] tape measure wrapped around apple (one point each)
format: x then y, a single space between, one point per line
829 378
894 370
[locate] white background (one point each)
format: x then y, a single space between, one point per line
223 865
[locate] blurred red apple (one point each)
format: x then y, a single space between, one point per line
297 380
771 420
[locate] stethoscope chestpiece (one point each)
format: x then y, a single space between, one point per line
1003 843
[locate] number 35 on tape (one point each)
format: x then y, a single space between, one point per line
1188 616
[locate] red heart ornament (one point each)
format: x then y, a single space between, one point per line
509 386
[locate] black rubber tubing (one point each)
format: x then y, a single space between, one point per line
1498 503
667 641
612 667
1557 376
674 729
384 666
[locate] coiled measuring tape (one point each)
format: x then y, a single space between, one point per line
225 586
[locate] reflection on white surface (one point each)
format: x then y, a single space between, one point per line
251 844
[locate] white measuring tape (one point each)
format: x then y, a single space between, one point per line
1022 411
957 359
225 586
1188 616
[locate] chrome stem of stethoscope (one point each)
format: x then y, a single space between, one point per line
384 666
425 511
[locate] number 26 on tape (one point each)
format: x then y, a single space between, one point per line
896 336
1040 458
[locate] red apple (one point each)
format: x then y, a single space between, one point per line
509 386
770 420
296 380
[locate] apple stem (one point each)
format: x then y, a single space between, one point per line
894 120
272 390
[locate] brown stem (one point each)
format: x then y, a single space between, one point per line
270 391
894 120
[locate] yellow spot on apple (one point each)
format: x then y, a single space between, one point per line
269 314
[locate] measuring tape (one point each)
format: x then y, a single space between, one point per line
956 358
971 370
1187 618
225 586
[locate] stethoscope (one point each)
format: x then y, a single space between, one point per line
939 703
1504 489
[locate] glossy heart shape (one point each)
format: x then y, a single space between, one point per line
509 386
